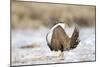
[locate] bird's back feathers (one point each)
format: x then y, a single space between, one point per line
61 41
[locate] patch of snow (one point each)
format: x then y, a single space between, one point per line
85 51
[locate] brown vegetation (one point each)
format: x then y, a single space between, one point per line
34 15
30 46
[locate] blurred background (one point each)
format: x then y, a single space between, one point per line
34 15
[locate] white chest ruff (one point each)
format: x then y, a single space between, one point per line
49 36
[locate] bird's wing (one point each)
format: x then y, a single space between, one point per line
59 38
74 40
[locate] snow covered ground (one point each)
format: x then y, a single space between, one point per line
41 54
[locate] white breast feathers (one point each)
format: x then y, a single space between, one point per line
49 35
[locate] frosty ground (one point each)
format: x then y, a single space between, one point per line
41 54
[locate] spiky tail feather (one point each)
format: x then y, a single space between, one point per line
75 38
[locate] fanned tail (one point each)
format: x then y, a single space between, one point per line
75 38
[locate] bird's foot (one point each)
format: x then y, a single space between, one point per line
61 56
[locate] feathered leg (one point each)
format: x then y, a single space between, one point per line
61 55
58 55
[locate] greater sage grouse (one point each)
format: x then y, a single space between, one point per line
58 40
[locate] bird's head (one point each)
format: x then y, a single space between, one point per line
62 24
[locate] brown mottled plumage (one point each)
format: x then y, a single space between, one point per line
61 41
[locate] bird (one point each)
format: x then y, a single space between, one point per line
58 40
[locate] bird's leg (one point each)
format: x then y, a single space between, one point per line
61 55
58 54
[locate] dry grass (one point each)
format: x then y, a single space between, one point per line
34 15
30 46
